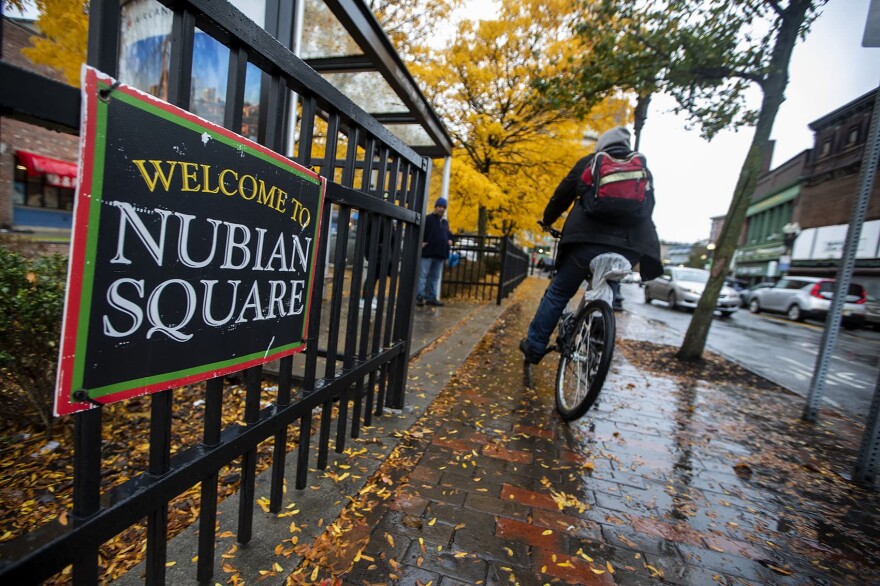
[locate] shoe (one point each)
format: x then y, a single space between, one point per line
434 302
420 301
617 306
529 356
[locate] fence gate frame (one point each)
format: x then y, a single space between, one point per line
361 370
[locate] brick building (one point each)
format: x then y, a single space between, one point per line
829 190
37 166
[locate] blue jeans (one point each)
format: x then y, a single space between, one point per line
573 269
429 277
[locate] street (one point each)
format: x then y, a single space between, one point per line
782 351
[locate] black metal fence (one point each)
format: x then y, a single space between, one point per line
357 359
484 267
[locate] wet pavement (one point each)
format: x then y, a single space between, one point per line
478 481
664 481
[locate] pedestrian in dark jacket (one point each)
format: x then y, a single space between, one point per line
584 238
435 250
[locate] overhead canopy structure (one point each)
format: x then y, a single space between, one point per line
343 41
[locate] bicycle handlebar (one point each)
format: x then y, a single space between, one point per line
550 229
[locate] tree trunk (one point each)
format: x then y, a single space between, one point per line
641 114
773 95
482 221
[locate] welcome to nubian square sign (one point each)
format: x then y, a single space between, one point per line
192 255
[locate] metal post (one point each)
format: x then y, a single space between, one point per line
844 274
865 470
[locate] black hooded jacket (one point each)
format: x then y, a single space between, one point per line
581 228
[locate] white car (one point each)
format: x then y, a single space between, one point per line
683 287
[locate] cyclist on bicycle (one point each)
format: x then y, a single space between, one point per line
584 237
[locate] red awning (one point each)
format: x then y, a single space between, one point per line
59 173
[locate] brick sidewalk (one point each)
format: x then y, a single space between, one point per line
664 481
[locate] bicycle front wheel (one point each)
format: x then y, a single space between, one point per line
585 356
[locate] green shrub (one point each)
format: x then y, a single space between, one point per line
31 307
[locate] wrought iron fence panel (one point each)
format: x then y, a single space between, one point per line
370 234
483 267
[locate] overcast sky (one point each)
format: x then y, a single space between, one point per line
695 179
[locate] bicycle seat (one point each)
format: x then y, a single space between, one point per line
606 267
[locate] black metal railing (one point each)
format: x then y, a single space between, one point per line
375 196
484 267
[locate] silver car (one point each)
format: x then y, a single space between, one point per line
800 298
683 286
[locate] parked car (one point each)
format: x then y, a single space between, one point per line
683 286
872 312
800 298
736 284
746 295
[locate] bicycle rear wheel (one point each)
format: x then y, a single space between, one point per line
585 356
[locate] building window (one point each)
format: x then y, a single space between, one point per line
826 148
852 136
34 190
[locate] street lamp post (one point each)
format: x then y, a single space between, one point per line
789 234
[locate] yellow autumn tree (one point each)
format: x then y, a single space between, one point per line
64 25
484 86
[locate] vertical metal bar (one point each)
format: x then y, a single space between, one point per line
306 131
208 500
276 108
249 459
302 460
235 84
328 169
369 222
86 486
500 294
338 282
103 42
348 173
316 308
183 30
279 449
160 459
351 329
418 190
394 304
865 470
385 257
276 104
844 273
324 434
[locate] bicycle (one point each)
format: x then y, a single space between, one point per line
585 339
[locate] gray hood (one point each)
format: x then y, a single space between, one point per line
618 136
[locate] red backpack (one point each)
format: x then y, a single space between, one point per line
619 190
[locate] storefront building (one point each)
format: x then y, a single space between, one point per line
37 166
761 255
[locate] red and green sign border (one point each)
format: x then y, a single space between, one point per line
71 362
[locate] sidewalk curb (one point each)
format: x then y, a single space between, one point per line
830 402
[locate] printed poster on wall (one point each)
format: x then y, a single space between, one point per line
193 251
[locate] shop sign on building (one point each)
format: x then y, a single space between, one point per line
826 242
193 251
